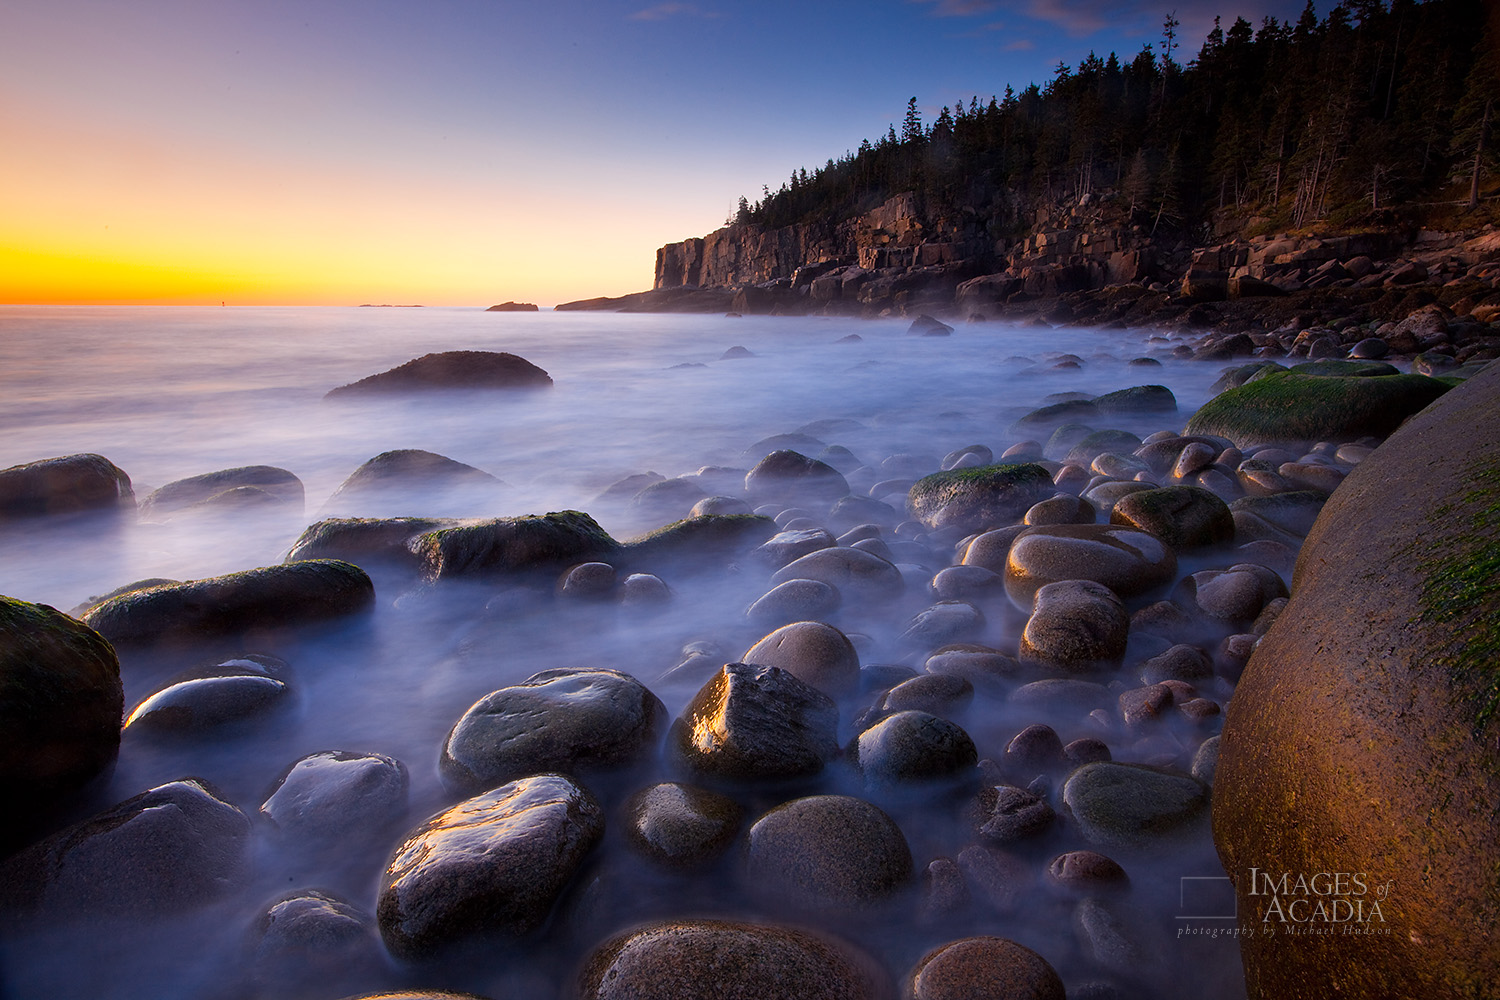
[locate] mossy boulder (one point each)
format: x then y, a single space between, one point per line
1137 399
450 370
1185 517
290 594
1286 406
60 704
218 489
65 485
977 499
1365 732
1356 368
497 547
366 541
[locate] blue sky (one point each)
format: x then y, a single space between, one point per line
466 150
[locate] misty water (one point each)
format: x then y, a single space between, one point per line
170 393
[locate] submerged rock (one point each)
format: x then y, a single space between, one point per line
313 940
216 489
197 703
175 847
366 541
450 370
719 960
573 720
790 475
291 594
855 573
912 746
546 543
1134 806
396 482
978 499
681 825
60 705
493 863
705 541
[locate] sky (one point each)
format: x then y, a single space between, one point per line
465 152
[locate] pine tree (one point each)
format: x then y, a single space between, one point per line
911 129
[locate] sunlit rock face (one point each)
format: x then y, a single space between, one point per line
754 722
1362 738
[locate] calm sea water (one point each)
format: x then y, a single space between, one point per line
170 393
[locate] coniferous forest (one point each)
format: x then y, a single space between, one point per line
1351 120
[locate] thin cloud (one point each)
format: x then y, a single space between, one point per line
662 11
1020 45
959 8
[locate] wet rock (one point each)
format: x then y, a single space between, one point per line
991 549
944 892
291 594
591 581
681 826
935 693
338 794
858 575
65 485
972 456
644 590
60 706
984 968
1291 513
1286 406
855 510
369 542
1237 594
573 720
756 723
1206 760
978 499
668 498
966 583
1105 495
926 326
279 485
1144 705
942 623
1035 748
827 853
1111 939
1087 871
1136 400
790 475
1180 662
1075 626
1061 510
1061 693
1127 561
493 863
717 960
813 652
719 505
912 746
312 941
788 546
169 849
1133 806
1184 517
1086 751
710 542
197 703
987 669
998 878
511 546
1005 814
794 601
394 482
450 370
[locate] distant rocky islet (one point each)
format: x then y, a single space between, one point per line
1107 588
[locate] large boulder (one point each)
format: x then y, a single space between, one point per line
60 704
1364 735
397 483
272 597
506 546
752 722
262 484
494 863
573 720
366 541
704 541
791 475
450 370
1185 517
827 853
978 499
1287 406
1126 560
64 485
172 848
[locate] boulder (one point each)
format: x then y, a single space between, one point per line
718 960
213 490
1133 806
60 705
203 702
1127 561
65 485
169 849
681 826
1384 662
495 863
1076 626
512 546
984 968
336 795
912 746
855 573
827 854
572 720
366 541
978 499
792 476
1184 517
794 601
291 594
926 326
310 942
811 651
704 541
756 723
395 483
450 370
1137 399
1287 406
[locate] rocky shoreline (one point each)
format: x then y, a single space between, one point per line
962 692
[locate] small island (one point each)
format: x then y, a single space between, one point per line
513 307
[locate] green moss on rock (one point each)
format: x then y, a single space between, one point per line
711 538
1286 406
509 545
975 499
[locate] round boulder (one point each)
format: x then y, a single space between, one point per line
450 370
791 475
566 719
1127 561
857 574
984 968
1132 805
978 499
1076 626
681 825
794 601
813 652
912 746
827 853
336 793
754 722
64 485
1185 517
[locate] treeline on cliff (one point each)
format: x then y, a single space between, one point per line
1336 121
